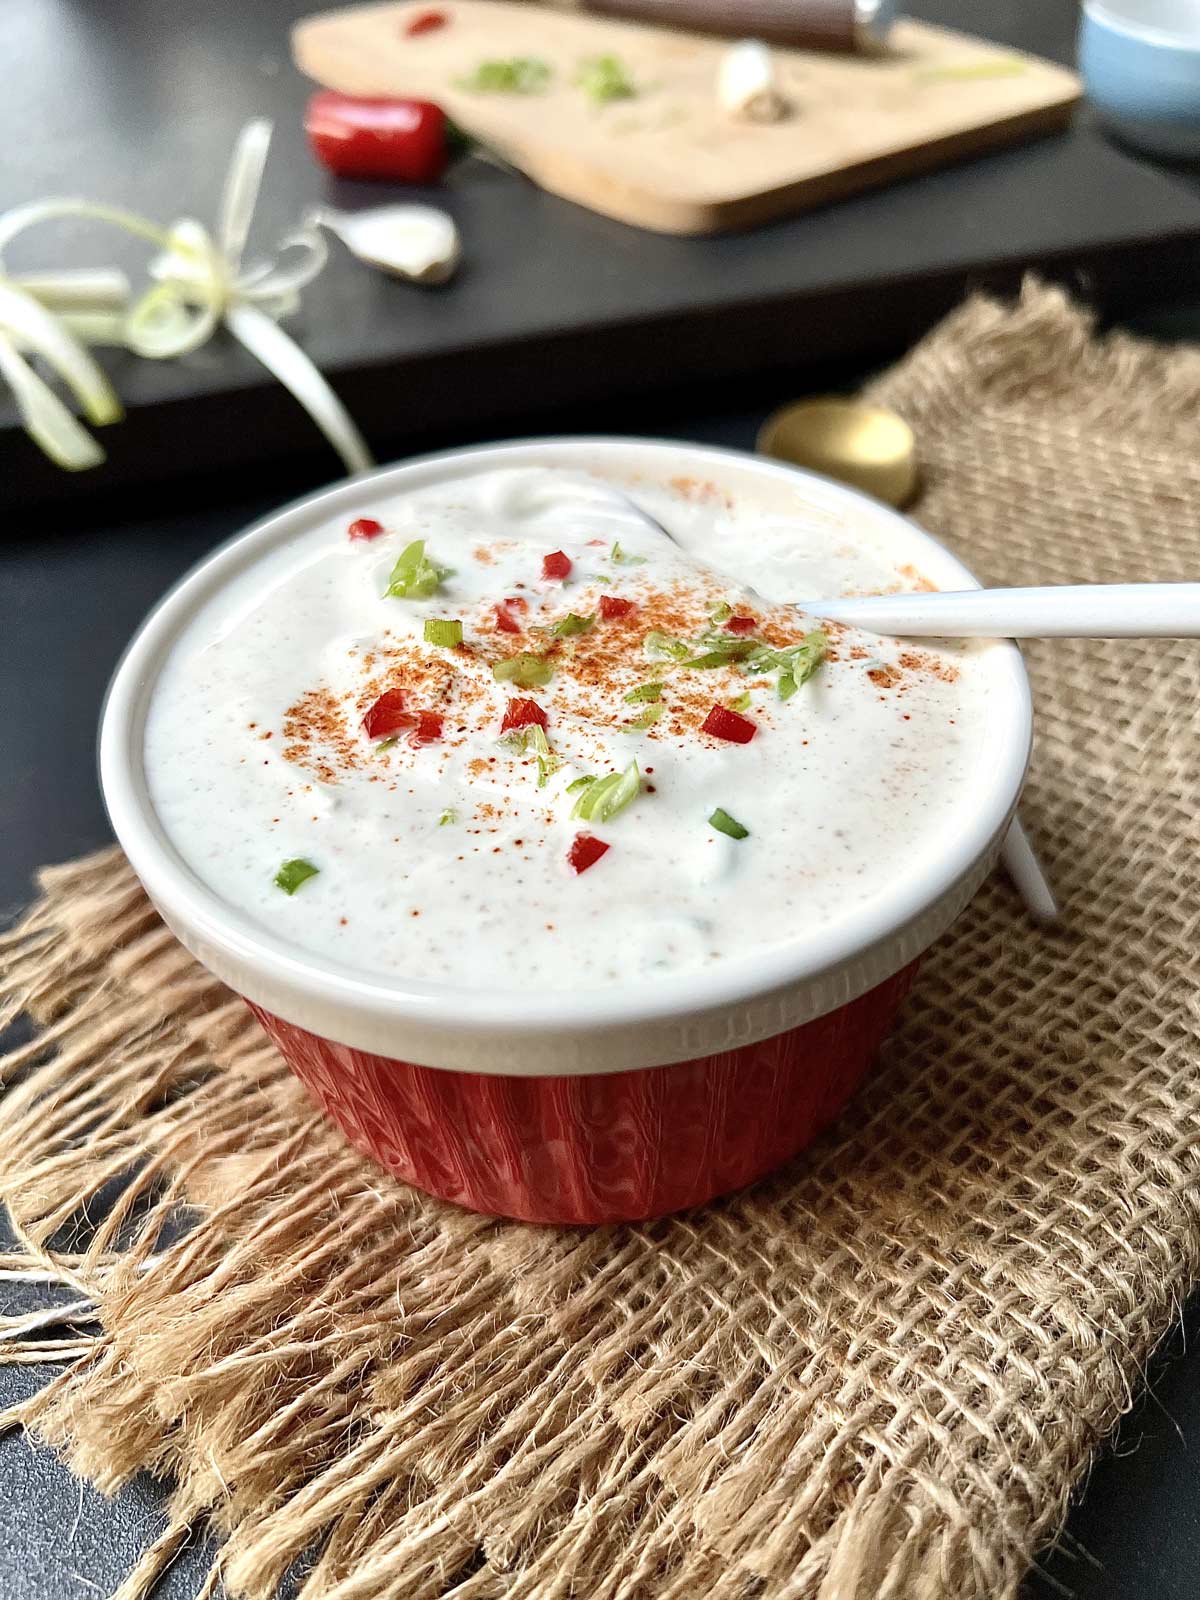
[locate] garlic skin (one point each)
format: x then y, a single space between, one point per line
419 243
746 83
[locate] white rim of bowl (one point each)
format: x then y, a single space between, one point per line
1142 32
181 894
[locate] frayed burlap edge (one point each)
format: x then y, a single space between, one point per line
879 1374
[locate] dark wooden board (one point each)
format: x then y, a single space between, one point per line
138 102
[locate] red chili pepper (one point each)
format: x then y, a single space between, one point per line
388 716
515 600
404 140
585 851
612 607
426 22
725 724
556 565
505 621
365 528
428 729
741 625
520 713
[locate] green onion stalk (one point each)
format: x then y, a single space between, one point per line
200 284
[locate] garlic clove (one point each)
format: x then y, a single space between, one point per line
415 242
746 83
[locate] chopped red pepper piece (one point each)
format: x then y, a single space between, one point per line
556 565
388 716
741 625
516 600
365 528
725 724
585 851
428 729
426 22
402 140
612 607
599 544
520 713
505 621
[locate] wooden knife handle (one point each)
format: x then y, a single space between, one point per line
817 24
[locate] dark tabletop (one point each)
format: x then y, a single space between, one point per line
138 102
75 581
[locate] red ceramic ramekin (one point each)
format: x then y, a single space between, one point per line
599 1146
581 1106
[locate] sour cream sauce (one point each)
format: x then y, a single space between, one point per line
446 861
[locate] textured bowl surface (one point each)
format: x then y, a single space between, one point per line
561 1104
603 1147
1141 65
655 1019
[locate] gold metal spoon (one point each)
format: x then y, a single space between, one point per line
866 446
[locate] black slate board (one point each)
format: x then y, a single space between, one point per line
138 102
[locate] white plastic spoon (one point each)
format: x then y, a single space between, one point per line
1065 611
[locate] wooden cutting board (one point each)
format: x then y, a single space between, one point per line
671 159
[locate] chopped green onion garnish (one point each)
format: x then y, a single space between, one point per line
516 75
600 577
447 816
803 661
971 71
662 644
581 783
602 800
572 624
647 720
293 873
730 644
385 744
742 703
526 670
795 663
533 737
816 644
712 658
442 631
603 78
810 651
645 691
547 762
414 577
622 560
724 823
722 650
722 612
521 740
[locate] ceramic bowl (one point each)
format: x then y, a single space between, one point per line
578 1106
1140 61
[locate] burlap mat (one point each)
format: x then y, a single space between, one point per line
879 1374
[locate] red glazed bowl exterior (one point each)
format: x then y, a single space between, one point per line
515 1108
598 1147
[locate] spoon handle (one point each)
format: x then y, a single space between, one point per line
1083 611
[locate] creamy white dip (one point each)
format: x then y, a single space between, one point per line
445 860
